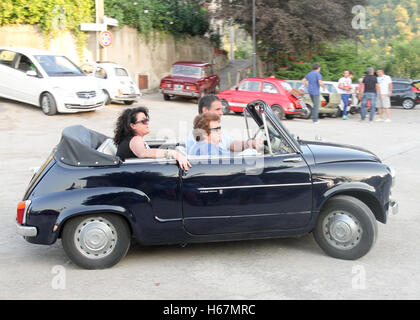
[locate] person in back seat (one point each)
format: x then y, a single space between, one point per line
132 125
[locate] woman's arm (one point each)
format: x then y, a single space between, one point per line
139 149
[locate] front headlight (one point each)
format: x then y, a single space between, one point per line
392 172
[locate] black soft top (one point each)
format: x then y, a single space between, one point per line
78 148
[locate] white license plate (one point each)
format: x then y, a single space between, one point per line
178 87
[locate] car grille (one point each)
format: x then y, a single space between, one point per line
86 94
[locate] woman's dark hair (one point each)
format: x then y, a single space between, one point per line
123 128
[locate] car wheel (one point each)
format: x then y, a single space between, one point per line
337 114
408 104
166 97
225 107
308 112
346 228
96 241
107 100
128 102
278 111
48 104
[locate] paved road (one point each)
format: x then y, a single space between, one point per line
292 268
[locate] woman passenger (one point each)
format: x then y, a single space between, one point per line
132 126
207 132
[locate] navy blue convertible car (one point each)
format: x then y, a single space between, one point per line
97 203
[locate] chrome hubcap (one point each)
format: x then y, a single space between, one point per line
95 238
342 230
407 104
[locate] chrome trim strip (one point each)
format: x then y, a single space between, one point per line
247 216
167 220
257 186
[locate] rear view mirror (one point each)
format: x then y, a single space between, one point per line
31 73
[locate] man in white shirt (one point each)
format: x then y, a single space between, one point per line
345 88
212 103
384 99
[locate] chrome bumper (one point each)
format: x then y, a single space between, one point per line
26 231
181 93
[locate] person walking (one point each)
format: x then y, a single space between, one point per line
384 99
345 88
313 80
368 93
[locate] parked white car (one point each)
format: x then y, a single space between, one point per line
114 80
47 80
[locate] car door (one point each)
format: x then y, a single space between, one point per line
397 90
270 94
247 194
29 87
248 90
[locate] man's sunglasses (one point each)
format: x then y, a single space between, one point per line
144 121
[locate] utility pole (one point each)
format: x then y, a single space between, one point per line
100 11
254 49
231 38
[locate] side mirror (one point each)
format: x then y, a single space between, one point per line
31 73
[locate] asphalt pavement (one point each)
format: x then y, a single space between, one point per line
293 268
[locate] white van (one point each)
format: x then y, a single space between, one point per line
47 80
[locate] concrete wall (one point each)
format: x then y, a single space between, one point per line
152 57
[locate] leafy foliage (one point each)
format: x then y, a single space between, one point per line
172 16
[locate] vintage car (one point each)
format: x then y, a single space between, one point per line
189 79
96 203
275 92
114 80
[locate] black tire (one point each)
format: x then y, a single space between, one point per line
166 97
48 104
128 102
308 113
408 104
225 106
78 231
350 219
107 100
278 111
337 114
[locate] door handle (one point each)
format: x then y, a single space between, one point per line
296 159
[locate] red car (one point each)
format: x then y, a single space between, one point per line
189 79
275 92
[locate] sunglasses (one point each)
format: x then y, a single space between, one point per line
144 121
216 129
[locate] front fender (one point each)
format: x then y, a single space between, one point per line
57 208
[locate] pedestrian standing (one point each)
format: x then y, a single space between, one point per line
313 80
384 99
345 88
368 93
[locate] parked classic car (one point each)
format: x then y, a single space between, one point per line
275 92
47 80
114 81
96 203
190 79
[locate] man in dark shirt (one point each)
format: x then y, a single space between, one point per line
369 89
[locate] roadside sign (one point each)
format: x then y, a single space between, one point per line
93 26
110 21
105 38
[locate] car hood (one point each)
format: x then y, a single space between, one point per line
331 152
83 83
181 79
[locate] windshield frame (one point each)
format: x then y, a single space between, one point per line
62 73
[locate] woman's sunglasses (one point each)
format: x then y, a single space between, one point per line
144 121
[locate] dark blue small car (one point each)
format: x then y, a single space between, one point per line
96 203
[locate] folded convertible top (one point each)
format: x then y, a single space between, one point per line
78 148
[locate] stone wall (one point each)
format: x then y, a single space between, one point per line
152 56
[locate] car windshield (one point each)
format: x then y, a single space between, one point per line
58 66
186 71
287 86
120 72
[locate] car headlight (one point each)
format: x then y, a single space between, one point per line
392 172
